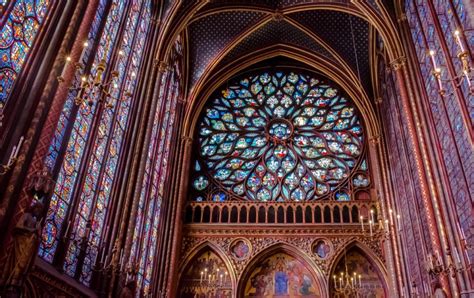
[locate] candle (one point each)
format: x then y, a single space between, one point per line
386 224
19 145
456 254
370 225
360 280
12 156
202 273
334 279
458 40
390 213
68 59
372 215
433 60
466 74
340 282
84 50
362 222
461 231
399 222
352 281
221 279
438 257
67 228
225 277
122 262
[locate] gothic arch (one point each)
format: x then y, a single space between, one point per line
293 252
201 249
314 62
379 19
369 255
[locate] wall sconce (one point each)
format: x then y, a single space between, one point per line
465 74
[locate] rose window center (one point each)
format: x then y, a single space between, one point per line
280 130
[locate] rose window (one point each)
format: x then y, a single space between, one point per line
279 137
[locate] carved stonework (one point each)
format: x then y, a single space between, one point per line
260 239
398 63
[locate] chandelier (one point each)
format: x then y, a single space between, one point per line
212 281
93 89
346 284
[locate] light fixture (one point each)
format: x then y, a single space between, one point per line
459 78
92 88
346 284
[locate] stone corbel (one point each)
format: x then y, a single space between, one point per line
398 63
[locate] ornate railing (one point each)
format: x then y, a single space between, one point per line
319 212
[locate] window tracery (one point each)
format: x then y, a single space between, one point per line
17 38
280 136
86 174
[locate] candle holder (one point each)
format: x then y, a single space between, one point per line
347 285
212 282
374 231
466 73
92 89
436 267
5 168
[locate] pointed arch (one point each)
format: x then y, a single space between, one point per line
369 255
201 93
291 251
200 250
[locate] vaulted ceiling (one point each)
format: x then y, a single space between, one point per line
222 31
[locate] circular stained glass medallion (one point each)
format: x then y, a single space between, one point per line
279 137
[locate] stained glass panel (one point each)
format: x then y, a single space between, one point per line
16 40
278 137
122 50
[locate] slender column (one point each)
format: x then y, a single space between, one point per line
140 160
448 205
171 247
413 123
33 134
376 152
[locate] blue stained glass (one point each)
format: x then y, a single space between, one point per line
17 36
94 193
301 140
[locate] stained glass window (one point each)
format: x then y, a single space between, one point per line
279 136
145 235
91 187
16 40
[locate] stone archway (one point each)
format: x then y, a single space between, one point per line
370 277
206 274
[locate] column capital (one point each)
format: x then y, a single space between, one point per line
161 65
398 63
374 140
402 17
187 139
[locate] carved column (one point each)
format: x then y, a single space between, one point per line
447 201
172 221
429 195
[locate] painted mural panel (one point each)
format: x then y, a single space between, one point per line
206 276
281 275
371 285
